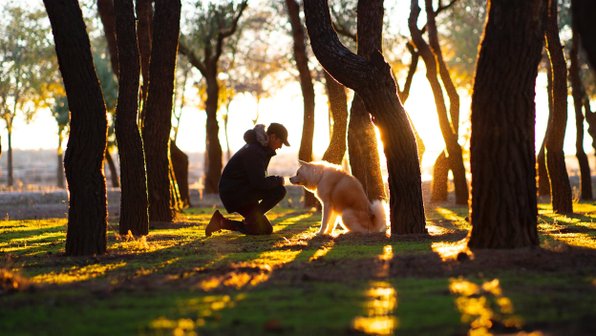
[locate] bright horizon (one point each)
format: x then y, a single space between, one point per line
286 107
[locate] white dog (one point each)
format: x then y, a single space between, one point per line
341 195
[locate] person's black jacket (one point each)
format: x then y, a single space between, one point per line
244 178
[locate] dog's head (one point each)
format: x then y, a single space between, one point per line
307 175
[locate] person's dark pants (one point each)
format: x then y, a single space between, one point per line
255 222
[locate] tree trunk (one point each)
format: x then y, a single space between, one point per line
363 150
214 152
105 8
112 168
439 191
144 12
134 206
362 139
373 81
560 187
87 212
578 93
9 159
448 129
338 107
308 92
158 109
543 182
60 164
503 208
583 21
180 165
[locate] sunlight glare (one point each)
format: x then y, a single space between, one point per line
481 305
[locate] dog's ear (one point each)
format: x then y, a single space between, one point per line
302 162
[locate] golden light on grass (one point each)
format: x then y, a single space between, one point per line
379 308
456 220
450 250
381 302
77 274
322 251
205 307
481 305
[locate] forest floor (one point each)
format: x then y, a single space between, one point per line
177 281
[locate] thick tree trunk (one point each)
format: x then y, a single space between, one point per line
105 8
363 150
439 191
112 168
503 208
373 81
158 109
134 206
308 92
578 93
180 165
144 12
87 212
362 139
338 107
214 152
583 21
448 129
560 187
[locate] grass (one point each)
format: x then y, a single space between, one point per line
177 281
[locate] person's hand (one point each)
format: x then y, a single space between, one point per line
281 180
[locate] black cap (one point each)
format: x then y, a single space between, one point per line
280 131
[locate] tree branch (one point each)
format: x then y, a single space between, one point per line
344 66
192 58
223 34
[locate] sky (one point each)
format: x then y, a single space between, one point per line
285 106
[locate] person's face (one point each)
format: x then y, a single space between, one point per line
275 142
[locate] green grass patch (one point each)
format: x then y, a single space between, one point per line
177 281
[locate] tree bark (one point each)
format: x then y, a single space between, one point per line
560 187
439 191
180 166
112 168
144 12
105 8
578 93
158 109
543 182
134 206
373 81
448 129
214 151
583 21
87 212
308 92
338 108
9 158
362 139
503 207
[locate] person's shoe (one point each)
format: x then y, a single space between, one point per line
215 224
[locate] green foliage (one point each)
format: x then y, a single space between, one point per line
177 281
461 28
25 58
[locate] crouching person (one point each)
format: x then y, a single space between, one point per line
244 186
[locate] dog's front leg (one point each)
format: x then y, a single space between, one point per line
325 220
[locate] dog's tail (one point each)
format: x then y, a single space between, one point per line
379 210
